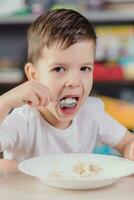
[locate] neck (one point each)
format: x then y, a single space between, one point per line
51 119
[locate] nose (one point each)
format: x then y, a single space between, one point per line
73 83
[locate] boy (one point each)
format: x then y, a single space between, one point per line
52 111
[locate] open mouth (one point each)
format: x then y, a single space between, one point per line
69 102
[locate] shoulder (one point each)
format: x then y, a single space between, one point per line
93 109
95 102
20 120
26 112
93 105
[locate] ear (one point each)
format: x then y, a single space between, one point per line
31 72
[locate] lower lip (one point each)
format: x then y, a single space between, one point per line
69 111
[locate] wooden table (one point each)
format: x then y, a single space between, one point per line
18 186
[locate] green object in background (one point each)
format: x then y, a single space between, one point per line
66 6
22 12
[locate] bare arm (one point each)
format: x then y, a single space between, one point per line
126 146
31 92
8 165
5 108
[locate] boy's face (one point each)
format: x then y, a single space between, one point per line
69 76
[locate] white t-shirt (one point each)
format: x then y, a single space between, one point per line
25 134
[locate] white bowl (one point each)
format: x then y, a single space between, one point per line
43 167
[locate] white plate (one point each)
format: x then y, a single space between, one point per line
112 168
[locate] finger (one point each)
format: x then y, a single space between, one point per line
33 100
42 92
44 99
45 90
131 151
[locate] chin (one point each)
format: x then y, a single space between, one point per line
62 117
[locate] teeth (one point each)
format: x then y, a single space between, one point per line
68 102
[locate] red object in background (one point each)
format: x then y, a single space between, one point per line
105 73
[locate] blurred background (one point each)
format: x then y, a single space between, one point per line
114 66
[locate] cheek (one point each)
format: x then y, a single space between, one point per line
88 83
55 87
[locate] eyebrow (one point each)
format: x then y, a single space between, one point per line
65 64
58 63
88 63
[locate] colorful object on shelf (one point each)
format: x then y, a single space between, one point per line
114 42
8 7
120 110
65 6
128 67
104 73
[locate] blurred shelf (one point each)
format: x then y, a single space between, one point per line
4 87
116 89
8 84
122 111
94 16
11 75
114 82
110 16
26 19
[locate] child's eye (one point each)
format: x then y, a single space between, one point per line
86 69
59 69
